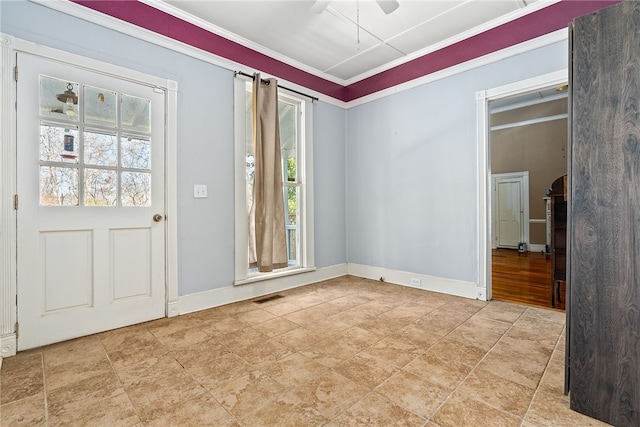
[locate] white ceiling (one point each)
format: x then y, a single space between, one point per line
331 44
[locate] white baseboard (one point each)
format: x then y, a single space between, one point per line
430 283
8 345
216 297
536 247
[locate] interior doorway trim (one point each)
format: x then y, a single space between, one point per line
483 97
10 46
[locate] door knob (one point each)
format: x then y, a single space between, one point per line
157 217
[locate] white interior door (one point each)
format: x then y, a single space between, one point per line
509 212
90 179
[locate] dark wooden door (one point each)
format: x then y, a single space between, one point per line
604 223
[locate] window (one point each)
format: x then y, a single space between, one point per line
295 143
95 146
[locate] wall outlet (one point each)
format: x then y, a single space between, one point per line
416 282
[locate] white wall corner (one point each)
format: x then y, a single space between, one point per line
8 345
442 285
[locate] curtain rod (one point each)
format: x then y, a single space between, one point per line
283 87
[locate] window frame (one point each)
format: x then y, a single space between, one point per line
305 183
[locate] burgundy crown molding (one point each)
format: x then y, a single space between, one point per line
535 24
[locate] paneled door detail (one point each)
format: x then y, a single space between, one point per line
90 178
509 212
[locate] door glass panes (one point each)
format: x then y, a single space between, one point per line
58 186
100 106
136 189
58 143
93 162
100 149
100 187
58 99
136 153
135 113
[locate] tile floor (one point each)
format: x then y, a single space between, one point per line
344 352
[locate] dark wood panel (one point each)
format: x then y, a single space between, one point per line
605 216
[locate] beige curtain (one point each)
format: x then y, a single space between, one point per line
267 236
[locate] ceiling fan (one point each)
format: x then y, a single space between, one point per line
387 6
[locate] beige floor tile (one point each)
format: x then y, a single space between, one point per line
365 370
375 410
112 411
446 372
552 410
236 341
149 371
503 311
198 354
29 411
203 410
274 327
219 370
15 387
67 374
394 351
248 393
286 410
414 393
329 352
254 317
330 394
294 370
299 338
264 352
461 411
345 351
156 399
498 392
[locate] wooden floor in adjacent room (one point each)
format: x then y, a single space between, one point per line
523 277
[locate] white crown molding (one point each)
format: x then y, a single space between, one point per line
547 39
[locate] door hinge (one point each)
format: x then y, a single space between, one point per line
15 73
17 329
15 201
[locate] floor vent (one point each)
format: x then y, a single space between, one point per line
267 299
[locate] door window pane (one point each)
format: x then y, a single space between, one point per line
58 99
58 186
100 149
136 189
58 144
136 153
100 106
135 113
100 187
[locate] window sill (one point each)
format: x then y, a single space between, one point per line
261 277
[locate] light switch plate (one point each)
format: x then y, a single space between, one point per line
200 191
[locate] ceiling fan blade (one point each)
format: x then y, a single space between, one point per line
388 6
319 6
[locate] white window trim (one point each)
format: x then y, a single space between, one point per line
307 258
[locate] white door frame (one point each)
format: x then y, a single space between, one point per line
524 178
483 97
10 46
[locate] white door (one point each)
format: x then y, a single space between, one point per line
90 178
509 212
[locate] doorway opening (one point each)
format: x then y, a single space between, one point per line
525 131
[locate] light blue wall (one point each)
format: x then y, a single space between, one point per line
205 142
412 174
